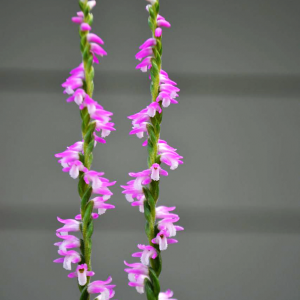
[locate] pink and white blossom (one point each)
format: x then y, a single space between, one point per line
104 288
147 253
81 273
134 188
99 203
70 225
156 171
168 225
74 168
69 242
137 273
166 295
68 258
162 239
164 212
99 184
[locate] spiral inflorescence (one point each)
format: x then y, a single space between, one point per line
77 160
143 189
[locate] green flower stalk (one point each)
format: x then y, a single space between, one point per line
143 190
77 160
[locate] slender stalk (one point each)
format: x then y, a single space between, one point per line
88 129
152 194
143 190
77 160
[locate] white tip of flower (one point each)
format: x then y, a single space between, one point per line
69 91
67 263
78 99
151 112
140 135
91 4
155 174
82 278
140 289
163 243
101 211
145 259
144 69
91 109
174 165
166 102
105 133
74 172
129 197
131 277
141 208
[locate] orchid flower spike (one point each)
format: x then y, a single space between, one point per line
94 189
143 188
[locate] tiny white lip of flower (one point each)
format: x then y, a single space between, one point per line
67 263
144 69
106 197
174 165
140 289
171 228
155 174
91 109
131 277
162 296
145 259
140 135
141 208
173 94
166 102
101 211
105 133
91 4
78 99
151 1
64 165
103 296
138 183
82 277
74 172
163 244
151 112
129 197
97 183
69 91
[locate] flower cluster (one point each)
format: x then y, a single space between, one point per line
70 256
77 159
134 188
70 161
168 155
168 90
142 190
100 116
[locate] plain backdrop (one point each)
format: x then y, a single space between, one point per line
237 123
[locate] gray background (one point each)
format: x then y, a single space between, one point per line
237 63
